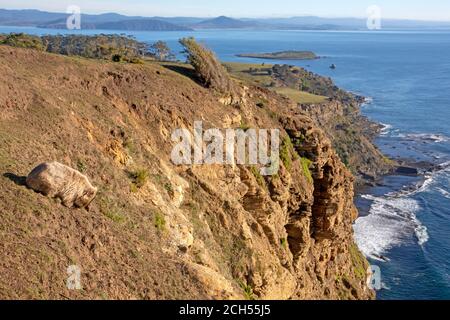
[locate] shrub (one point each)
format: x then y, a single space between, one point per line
139 177
210 71
248 291
81 166
169 188
117 58
160 222
22 40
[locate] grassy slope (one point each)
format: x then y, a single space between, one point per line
262 78
66 109
300 96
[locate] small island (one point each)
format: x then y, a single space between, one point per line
282 55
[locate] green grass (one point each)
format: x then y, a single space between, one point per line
241 71
300 96
359 262
259 178
248 291
306 164
109 209
115 216
261 76
160 222
284 243
285 152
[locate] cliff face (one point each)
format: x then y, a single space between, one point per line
340 118
204 231
351 135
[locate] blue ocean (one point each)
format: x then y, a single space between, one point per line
406 78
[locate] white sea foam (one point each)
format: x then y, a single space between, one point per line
367 101
386 129
391 222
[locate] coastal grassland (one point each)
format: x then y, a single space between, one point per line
261 75
255 73
300 96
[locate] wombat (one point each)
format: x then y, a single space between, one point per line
56 180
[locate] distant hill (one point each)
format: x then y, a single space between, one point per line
125 25
110 21
142 24
320 23
106 21
27 17
226 23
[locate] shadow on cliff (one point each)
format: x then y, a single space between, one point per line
184 71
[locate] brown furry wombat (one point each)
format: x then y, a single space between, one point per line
56 180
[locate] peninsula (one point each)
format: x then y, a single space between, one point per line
282 55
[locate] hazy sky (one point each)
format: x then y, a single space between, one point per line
403 9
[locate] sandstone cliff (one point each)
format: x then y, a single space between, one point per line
159 231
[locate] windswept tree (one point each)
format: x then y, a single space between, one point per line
161 51
209 70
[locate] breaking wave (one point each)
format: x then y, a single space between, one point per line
386 129
424 137
392 219
367 101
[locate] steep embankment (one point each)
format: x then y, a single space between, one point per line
157 230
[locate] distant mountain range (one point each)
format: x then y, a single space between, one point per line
125 25
227 23
107 21
114 21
